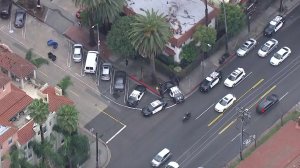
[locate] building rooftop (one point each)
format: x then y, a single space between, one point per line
181 14
4 79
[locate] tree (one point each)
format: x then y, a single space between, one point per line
65 83
189 52
88 15
39 112
108 11
67 119
206 36
17 159
235 18
149 35
118 38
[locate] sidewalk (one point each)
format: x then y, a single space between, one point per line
65 23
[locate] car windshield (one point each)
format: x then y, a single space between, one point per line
205 83
278 56
223 102
232 78
158 158
265 48
271 27
244 47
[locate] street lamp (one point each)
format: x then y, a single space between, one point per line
206 14
98 37
225 22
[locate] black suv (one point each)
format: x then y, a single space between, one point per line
119 81
5 8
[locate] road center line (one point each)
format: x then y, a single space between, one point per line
204 111
225 128
214 120
253 87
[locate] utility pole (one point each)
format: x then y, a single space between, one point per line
206 14
97 153
226 31
281 6
243 114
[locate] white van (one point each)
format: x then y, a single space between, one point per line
91 62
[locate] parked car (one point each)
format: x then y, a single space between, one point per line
77 52
268 47
280 56
136 95
225 103
209 82
235 77
176 94
267 103
20 18
91 62
5 8
274 25
119 81
106 70
161 157
165 87
172 164
154 107
246 47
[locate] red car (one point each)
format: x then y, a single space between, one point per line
267 103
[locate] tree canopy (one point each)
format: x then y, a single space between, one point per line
206 36
235 18
118 38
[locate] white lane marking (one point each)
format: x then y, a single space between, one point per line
235 137
74 93
77 74
115 134
283 96
205 111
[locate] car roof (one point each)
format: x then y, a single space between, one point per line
236 72
282 51
164 152
77 50
228 97
175 90
135 93
214 74
155 103
106 64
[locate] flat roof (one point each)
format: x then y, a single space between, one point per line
181 14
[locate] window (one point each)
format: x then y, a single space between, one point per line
10 141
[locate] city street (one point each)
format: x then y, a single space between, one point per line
210 140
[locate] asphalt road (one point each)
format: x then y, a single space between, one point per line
196 144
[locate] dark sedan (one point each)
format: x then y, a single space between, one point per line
119 81
267 103
20 18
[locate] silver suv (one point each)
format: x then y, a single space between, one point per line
77 52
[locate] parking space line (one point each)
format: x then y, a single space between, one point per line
43 73
74 93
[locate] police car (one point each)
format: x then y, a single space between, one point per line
136 95
154 107
176 95
274 25
209 82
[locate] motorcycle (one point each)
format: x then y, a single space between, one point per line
186 117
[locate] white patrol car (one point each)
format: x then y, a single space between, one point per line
235 77
274 26
136 95
209 82
154 107
176 95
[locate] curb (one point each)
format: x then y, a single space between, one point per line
151 89
104 165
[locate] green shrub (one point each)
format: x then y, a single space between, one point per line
190 52
38 62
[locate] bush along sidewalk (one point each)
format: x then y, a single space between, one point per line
38 62
64 84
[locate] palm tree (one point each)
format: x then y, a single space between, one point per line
67 119
149 35
88 15
39 112
108 11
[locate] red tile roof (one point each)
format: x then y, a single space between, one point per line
26 133
4 79
13 102
14 63
55 101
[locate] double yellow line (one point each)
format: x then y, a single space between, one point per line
253 87
260 98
